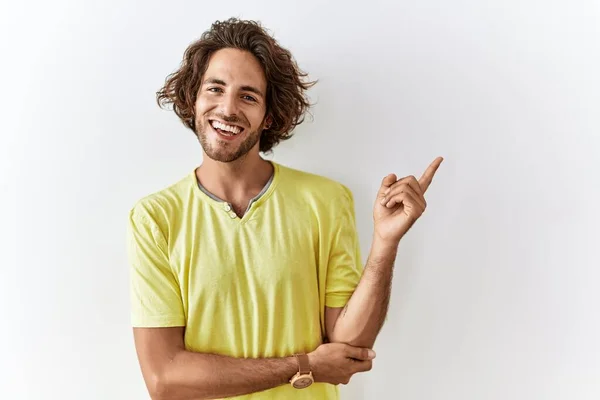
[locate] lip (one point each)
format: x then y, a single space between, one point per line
225 137
225 123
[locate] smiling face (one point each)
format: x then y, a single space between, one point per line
231 105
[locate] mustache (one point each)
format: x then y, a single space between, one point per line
233 119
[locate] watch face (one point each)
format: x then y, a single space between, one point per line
302 383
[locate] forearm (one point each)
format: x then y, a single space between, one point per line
209 376
363 316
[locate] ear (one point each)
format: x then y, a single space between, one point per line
268 122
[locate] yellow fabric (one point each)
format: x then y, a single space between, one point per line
251 287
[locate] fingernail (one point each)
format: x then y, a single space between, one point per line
387 190
371 354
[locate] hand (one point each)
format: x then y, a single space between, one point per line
400 202
335 363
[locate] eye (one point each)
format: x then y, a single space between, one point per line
215 89
249 98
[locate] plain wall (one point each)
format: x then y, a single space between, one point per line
495 291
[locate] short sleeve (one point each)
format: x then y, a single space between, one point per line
154 291
344 267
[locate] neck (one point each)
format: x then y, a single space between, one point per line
237 181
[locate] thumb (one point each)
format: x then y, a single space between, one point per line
388 181
360 353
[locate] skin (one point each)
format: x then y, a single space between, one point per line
235 96
399 203
233 91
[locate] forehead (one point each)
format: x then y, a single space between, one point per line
236 67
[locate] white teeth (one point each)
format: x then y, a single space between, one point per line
229 128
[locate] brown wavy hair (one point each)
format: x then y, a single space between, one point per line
286 100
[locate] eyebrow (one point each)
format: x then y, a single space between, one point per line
245 88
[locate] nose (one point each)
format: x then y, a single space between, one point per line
229 104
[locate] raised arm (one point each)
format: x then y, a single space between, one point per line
399 204
359 322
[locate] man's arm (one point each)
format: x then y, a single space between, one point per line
359 322
399 203
171 372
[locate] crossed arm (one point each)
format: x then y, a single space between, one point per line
171 372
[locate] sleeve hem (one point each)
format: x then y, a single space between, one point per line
157 321
336 301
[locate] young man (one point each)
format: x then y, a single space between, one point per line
246 276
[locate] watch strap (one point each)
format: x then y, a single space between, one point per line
303 363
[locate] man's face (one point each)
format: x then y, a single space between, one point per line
231 105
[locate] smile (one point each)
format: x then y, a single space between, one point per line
226 129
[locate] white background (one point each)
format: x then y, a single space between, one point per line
496 287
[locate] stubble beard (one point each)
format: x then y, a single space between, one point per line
223 152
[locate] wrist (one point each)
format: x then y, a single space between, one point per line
291 366
382 249
286 368
303 377
312 361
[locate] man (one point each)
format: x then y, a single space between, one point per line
246 277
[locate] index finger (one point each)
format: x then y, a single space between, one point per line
427 176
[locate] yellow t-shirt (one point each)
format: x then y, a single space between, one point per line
250 287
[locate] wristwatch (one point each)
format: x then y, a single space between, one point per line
303 377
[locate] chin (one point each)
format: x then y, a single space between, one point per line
221 151
222 156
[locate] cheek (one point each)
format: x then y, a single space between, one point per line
203 104
256 117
